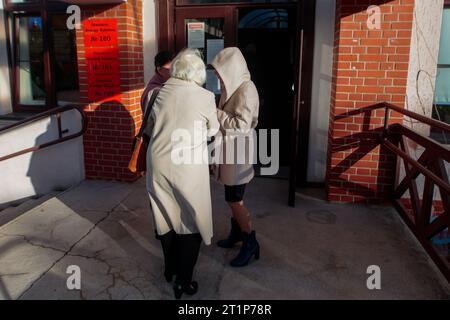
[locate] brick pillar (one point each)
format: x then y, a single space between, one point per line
113 124
370 66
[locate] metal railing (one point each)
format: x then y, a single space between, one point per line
61 138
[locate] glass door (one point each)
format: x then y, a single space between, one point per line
267 35
193 24
208 29
31 79
45 61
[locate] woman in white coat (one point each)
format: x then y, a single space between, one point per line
238 116
182 117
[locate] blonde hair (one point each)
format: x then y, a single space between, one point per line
188 65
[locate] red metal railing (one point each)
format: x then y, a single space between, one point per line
431 164
52 112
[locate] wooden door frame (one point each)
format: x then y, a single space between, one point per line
303 97
44 9
49 101
303 78
166 17
166 25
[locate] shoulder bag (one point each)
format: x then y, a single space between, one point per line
138 161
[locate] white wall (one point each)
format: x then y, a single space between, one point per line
424 59
150 21
5 85
40 172
422 73
321 89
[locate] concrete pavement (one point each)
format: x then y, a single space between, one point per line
315 251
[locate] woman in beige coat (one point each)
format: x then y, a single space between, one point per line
182 117
238 116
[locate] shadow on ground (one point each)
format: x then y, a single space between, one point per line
315 251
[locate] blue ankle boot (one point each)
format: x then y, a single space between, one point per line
250 248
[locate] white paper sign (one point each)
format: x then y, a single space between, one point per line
212 82
213 47
196 35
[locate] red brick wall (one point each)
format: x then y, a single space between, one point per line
112 125
370 66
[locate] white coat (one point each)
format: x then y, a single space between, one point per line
180 194
237 114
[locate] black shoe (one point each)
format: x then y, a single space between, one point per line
190 289
250 248
234 236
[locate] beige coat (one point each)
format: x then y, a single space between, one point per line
238 110
180 194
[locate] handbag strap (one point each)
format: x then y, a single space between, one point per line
147 112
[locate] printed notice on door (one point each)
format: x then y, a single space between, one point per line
196 35
102 60
213 47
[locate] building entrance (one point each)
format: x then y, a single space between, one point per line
270 37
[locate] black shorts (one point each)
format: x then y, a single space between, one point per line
234 193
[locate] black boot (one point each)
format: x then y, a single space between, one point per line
234 236
190 289
249 248
188 250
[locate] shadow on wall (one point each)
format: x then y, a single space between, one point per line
41 167
347 9
60 166
113 122
377 184
108 142
40 171
368 184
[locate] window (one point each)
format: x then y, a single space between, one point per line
30 76
265 18
443 79
442 94
44 55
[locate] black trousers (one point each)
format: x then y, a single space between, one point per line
180 255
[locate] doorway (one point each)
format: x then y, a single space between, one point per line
271 36
266 37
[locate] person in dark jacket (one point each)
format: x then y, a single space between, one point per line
163 61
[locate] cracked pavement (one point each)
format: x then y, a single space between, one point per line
315 251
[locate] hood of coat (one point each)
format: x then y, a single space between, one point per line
231 66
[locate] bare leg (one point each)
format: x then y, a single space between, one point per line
242 216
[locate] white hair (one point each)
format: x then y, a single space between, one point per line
188 65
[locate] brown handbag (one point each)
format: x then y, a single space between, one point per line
138 161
